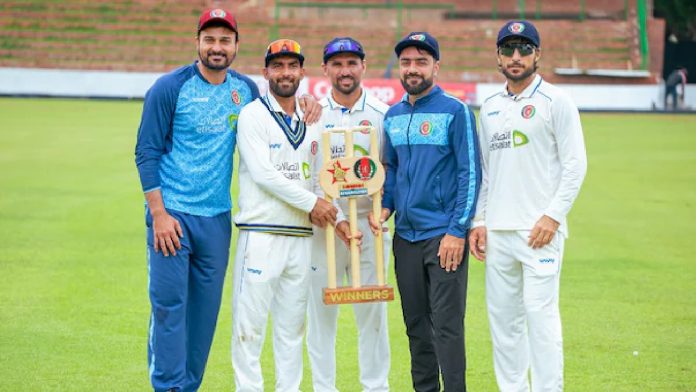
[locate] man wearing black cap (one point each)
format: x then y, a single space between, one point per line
432 180
277 155
348 105
534 162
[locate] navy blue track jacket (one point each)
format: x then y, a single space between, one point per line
433 169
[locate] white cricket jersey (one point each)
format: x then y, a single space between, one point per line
533 157
367 110
276 188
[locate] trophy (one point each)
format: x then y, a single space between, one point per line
352 177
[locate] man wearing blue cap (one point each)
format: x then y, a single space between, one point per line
432 180
534 162
348 105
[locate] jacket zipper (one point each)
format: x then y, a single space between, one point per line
408 169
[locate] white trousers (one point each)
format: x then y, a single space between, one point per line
370 318
271 274
522 286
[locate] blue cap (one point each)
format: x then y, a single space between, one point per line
343 45
519 28
419 39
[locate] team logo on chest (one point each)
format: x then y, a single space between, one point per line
528 112
364 168
365 123
425 128
314 148
235 97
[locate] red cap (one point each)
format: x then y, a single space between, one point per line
217 15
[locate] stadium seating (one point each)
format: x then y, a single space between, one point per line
148 35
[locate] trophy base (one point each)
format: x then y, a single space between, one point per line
353 295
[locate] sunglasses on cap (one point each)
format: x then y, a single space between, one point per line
508 49
342 46
283 46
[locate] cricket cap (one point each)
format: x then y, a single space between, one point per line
419 39
519 28
217 16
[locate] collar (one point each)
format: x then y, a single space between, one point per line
358 106
275 106
527 93
435 91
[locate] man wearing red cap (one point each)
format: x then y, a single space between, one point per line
184 152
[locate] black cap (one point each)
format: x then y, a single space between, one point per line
419 39
519 28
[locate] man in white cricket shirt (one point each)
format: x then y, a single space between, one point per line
278 154
347 105
534 162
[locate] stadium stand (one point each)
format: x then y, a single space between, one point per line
147 35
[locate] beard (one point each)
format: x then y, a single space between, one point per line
346 90
213 65
527 72
284 91
418 88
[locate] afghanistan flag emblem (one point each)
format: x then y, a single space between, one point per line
364 168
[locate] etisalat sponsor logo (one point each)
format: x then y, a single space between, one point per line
507 139
292 171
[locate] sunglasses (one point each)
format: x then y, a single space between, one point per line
508 50
284 46
342 45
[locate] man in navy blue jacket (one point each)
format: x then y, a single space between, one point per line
432 159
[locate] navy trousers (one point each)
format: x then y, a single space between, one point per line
185 293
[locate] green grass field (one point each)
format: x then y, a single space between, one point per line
73 296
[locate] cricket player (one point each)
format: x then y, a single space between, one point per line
278 153
432 181
184 157
534 163
347 105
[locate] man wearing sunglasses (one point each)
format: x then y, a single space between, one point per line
534 163
432 180
348 105
278 153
